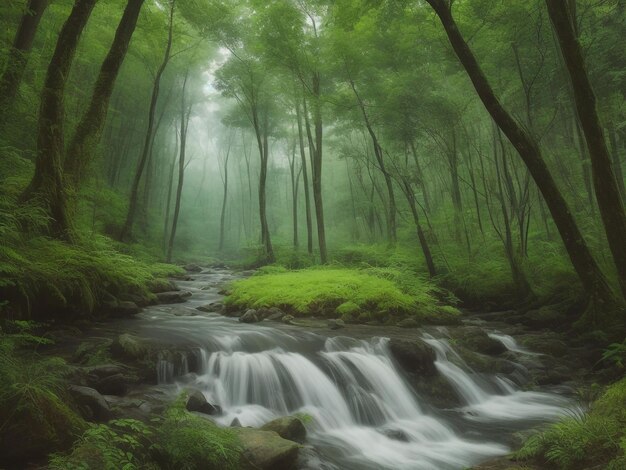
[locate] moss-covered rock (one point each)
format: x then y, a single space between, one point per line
266 450
288 427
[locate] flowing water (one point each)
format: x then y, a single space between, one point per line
360 411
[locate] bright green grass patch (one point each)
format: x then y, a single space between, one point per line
332 291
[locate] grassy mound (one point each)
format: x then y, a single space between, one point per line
597 439
373 292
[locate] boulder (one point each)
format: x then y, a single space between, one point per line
125 308
276 315
288 427
104 370
263 313
162 285
213 307
196 401
408 322
91 399
127 346
336 323
476 339
266 450
192 268
235 423
288 319
414 356
116 384
395 434
173 297
249 317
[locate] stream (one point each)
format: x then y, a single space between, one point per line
360 410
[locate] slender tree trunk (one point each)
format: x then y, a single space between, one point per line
126 231
18 56
428 257
185 114
225 197
168 200
261 130
294 194
47 185
378 152
305 180
605 184
89 129
420 175
317 169
592 278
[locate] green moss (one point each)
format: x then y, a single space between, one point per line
334 290
189 442
593 439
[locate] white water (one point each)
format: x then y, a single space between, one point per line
364 414
510 343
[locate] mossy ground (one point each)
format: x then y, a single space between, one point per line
377 292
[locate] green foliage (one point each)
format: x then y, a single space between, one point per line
189 442
577 442
120 444
34 416
332 290
615 353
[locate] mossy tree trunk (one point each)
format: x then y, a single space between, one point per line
593 280
89 129
604 181
48 186
18 56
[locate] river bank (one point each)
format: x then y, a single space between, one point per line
472 382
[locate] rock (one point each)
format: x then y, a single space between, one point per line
192 268
288 319
105 370
395 434
266 450
263 313
235 423
125 308
545 317
414 356
550 344
116 384
127 346
408 322
92 400
173 297
276 315
336 324
213 307
163 285
249 317
288 427
476 339
198 402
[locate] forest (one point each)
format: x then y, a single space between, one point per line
313 234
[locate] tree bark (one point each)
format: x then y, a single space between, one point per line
224 198
47 185
604 181
89 129
305 180
591 277
126 231
18 56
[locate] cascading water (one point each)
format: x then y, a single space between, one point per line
363 414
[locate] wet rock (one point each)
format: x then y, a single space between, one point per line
288 319
116 384
395 434
105 370
476 339
336 324
263 313
213 307
546 317
288 427
173 297
90 400
409 322
249 317
266 450
127 346
235 423
275 315
550 344
192 268
126 308
196 401
414 356
163 285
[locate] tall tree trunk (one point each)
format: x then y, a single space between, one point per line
592 278
89 129
185 113
305 180
261 130
294 194
378 152
410 197
225 196
317 169
126 231
605 184
18 56
168 198
47 184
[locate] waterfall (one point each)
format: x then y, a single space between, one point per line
510 343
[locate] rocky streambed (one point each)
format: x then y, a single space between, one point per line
322 394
